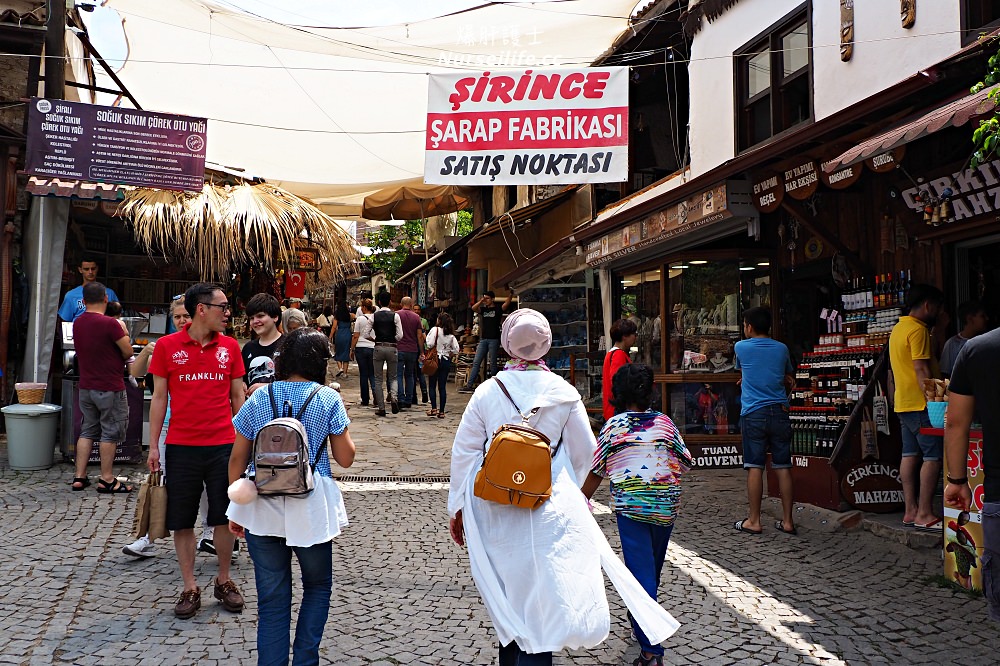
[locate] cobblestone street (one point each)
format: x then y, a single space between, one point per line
403 593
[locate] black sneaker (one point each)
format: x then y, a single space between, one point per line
395 406
206 546
236 552
466 389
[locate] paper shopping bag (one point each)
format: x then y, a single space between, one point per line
157 508
140 523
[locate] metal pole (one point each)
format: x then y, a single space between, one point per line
37 288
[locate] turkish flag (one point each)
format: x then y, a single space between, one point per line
295 284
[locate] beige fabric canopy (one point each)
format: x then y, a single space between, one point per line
335 114
416 202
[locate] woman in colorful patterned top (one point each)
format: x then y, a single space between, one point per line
642 453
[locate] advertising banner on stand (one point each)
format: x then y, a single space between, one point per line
544 127
106 144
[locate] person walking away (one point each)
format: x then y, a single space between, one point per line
73 304
490 313
409 351
623 336
421 378
974 385
909 356
640 438
263 312
363 349
342 340
325 321
275 528
200 371
386 331
973 319
767 376
144 547
539 570
441 340
103 348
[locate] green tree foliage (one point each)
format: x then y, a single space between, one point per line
391 246
464 225
985 137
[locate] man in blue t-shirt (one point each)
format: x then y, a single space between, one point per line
72 303
767 376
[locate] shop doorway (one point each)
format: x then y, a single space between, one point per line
977 273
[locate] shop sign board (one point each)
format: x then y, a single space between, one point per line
306 259
963 530
801 180
873 486
887 161
716 456
114 145
555 126
768 191
842 178
971 192
710 206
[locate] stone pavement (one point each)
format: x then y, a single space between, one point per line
403 593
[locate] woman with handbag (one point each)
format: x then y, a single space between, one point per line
441 346
277 527
363 351
539 570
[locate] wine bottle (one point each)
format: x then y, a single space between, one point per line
901 288
869 296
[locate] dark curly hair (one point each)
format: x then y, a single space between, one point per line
632 386
303 352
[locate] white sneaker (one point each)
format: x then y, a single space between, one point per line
142 548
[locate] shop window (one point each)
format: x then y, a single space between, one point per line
641 302
705 408
979 17
774 82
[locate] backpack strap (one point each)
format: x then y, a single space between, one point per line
298 417
274 403
524 417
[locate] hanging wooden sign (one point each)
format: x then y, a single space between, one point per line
846 29
908 12
841 179
306 259
802 180
887 161
768 191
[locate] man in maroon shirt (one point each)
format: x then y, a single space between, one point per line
102 348
408 347
201 371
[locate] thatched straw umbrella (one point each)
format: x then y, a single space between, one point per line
223 227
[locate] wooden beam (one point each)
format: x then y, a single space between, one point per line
85 40
799 213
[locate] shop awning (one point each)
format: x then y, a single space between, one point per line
75 189
952 114
422 267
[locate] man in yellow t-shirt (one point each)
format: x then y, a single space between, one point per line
910 356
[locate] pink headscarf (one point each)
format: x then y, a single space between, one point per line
526 334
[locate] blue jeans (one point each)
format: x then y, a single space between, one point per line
991 558
644 547
406 377
491 346
272 566
767 428
366 370
916 444
439 383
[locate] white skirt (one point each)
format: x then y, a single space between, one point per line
301 521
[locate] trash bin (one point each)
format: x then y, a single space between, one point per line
31 435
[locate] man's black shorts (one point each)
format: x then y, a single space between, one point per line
188 471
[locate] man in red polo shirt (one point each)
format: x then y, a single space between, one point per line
201 371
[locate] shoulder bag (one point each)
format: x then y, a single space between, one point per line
430 366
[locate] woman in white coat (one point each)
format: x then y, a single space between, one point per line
539 571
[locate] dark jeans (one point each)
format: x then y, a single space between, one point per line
439 383
485 347
991 558
512 655
366 370
406 377
272 566
767 428
644 547
422 380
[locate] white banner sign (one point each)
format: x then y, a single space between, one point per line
556 126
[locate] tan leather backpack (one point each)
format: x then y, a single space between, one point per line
517 467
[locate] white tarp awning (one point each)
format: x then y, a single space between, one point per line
334 114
